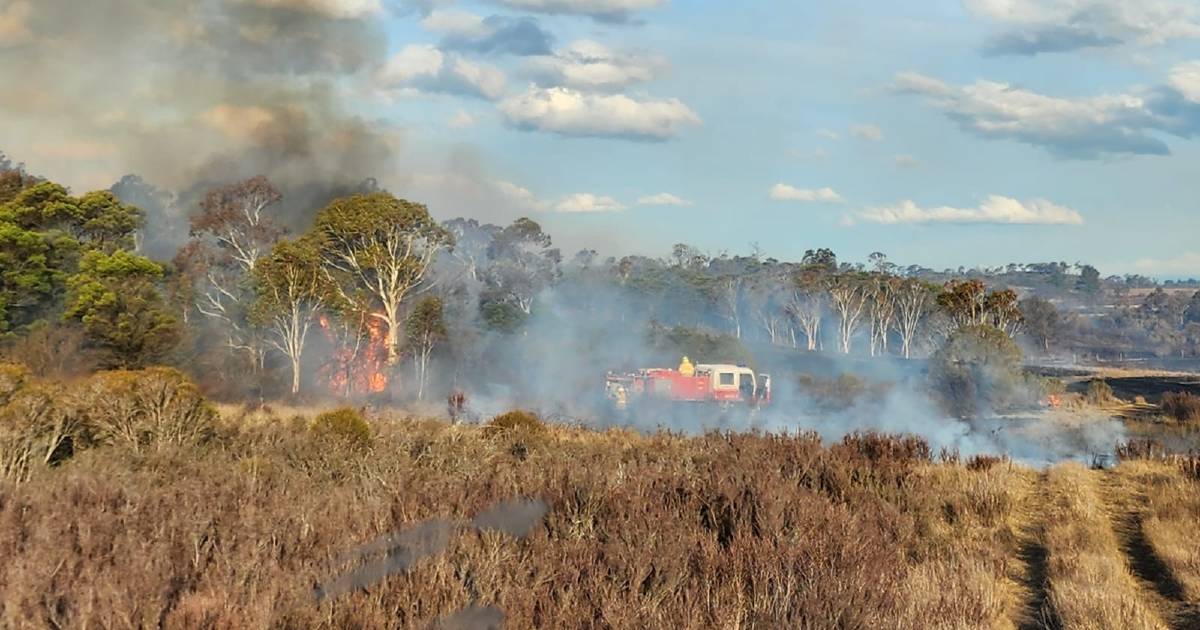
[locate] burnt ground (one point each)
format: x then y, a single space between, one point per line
1150 387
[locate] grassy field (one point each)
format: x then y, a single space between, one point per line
726 531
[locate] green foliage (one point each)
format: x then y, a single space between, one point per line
501 316
843 392
977 369
106 223
426 324
345 426
369 234
115 297
703 346
27 278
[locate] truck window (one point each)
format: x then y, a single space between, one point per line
726 378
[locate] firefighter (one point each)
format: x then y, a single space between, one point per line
455 403
686 368
621 398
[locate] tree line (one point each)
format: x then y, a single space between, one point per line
244 296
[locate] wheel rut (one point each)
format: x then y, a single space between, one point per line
1037 613
1157 582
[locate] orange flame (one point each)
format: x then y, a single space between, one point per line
359 364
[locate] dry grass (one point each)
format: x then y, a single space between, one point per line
738 531
966 572
1169 520
1090 583
239 526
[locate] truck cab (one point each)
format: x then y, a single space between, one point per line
735 383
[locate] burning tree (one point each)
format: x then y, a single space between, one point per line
377 249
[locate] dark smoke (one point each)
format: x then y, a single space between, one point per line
188 94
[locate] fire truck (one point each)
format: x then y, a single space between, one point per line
722 384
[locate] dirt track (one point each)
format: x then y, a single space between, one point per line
1156 587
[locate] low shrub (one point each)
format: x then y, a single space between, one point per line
843 392
1181 406
345 425
144 409
1140 449
980 463
12 378
516 421
1099 392
35 429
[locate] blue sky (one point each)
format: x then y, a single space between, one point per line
807 95
944 133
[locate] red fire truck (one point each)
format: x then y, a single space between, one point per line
718 383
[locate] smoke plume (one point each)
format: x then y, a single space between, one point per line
188 94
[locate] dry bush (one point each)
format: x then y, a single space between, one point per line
516 421
144 409
346 426
1181 406
644 531
1100 393
979 463
35 429
1090 585
1133 450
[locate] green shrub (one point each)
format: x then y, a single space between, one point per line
345 425
978 369
516 421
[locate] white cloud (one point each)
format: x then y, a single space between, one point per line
587 202
664 199
1185 79
589 65
1184 264
995 210
906 162
867 132
424 68
828 133
784 192
521 196
14 24
455 22
331 8
1078 128
1029 27
461 120
610 10
573 113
